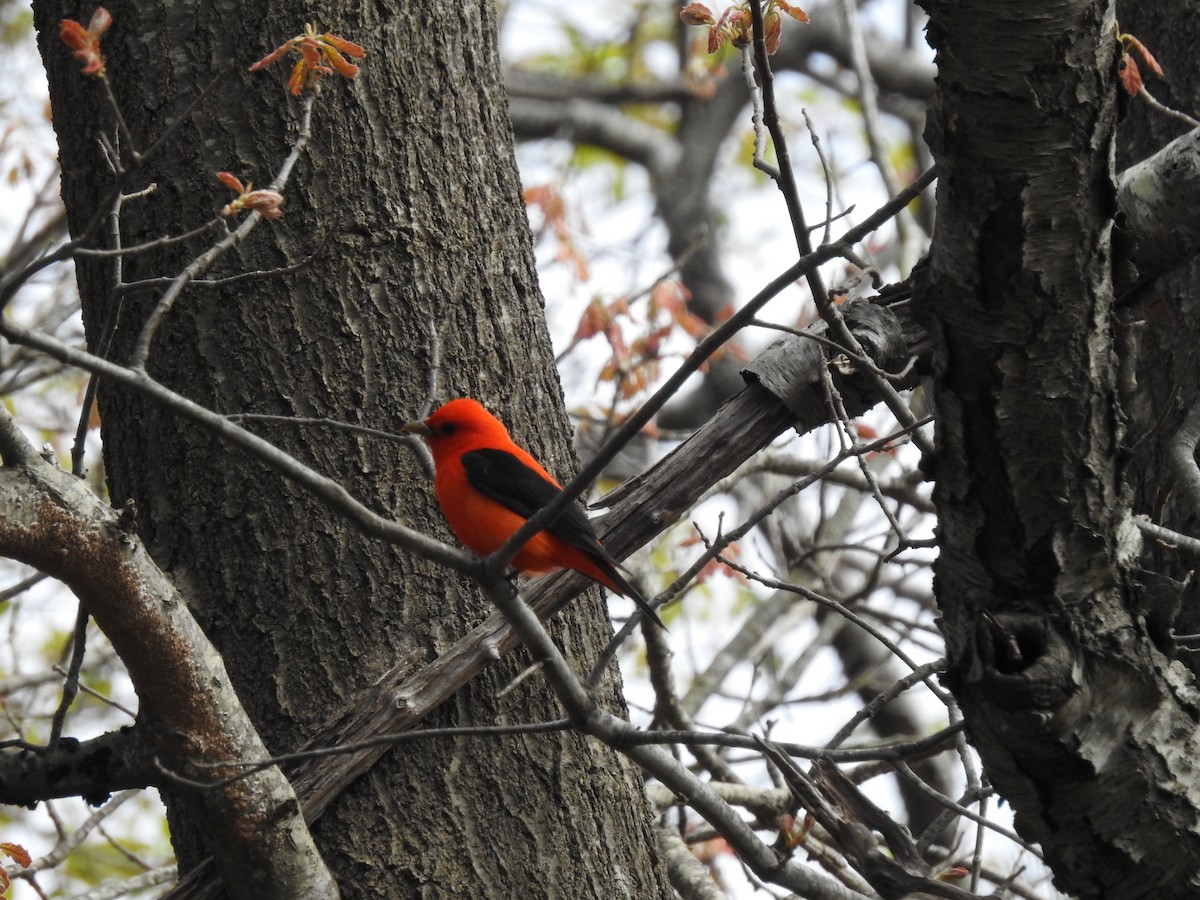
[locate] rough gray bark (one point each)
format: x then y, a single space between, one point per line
306 612
1083 724
1160 322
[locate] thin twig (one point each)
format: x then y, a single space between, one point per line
123 132
69 839
147 284
866 95
756 117
13 279
714 550
435 374
884 697
786 178
1170 112
21 586
333 424
325 489
851 432
827 225
119 252
205 260
977 855
842 610
402 737
116 889
70 686
916 781
884 753
99 697
787 185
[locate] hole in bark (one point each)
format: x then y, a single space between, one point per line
1016 645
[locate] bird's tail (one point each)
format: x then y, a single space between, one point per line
610 576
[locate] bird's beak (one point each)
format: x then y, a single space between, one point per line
417 428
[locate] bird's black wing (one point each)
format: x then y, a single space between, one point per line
500 475
504 478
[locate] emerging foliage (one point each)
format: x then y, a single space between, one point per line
320 55
267 203
734 26
86 41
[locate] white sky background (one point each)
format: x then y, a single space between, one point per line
758 244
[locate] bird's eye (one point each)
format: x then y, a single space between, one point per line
449 428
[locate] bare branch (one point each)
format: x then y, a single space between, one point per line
117 761
52 521
326 489
206 259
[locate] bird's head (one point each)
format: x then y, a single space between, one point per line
458 426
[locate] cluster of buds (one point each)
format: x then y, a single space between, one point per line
86 41
320 55
734 26
267 203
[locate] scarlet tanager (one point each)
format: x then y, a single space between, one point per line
487 487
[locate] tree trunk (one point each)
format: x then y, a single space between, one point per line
1083 723
1161 326
409 199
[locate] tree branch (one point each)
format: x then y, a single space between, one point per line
90 769
52 520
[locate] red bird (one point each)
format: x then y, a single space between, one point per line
487 487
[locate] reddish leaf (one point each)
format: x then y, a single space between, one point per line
298 78
320 55
739 26
1131 76
595 320
866 432
340 64
272 56
794 833
231 181
16 853
348 47
101 20
547 198
266 203
73 34
1147 57
794 11
697 14
708 851
772 31
85 42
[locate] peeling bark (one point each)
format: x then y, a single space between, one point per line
1079 718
